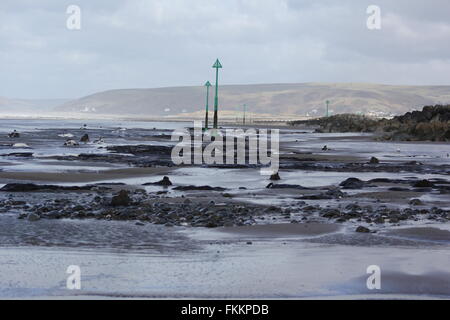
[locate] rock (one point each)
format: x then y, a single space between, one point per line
141 149
211 225
121 200
165 182
14 134
374 160
33 217
85 138
394 220
416 202
275 177
352 183
362 229
21 145
71 143
19 154
423 184
198 188
139 224
379 220
28 187
285 186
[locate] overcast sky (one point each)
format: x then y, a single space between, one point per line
158 43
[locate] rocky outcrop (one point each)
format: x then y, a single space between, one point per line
29 187
85 138
341 123
121 200
198 188
165 182
432 123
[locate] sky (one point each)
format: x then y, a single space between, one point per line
163 43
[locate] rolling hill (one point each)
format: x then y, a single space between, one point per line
287 100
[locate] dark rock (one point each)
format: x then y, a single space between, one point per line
122 199
275 177
14 134
19 154
423 184
141 149
33 217
416 202
28 187
374 160
165 182
71 143
362 229
85 138
198 188
352 183
285 186
379 220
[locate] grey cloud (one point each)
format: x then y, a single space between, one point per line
154 43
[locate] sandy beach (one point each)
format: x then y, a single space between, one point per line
221 232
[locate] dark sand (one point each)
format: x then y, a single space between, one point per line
82 177
422 233
283 230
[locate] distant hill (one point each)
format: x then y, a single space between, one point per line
306 99
31 107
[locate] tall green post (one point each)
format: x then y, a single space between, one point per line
207 85
328 103
245 110
217 66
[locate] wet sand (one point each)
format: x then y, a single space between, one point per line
422 233
267 257
282 230
83 177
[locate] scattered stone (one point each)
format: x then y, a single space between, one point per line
165 182
423 184
416 202
85 138
198 188
71 143
33 217
362 229
352 183
14 134
374 160
275 177
28 187
121 200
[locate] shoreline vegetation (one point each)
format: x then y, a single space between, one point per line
432 123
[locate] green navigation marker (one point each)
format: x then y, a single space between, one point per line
217 66
207 85
245 109
328 103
